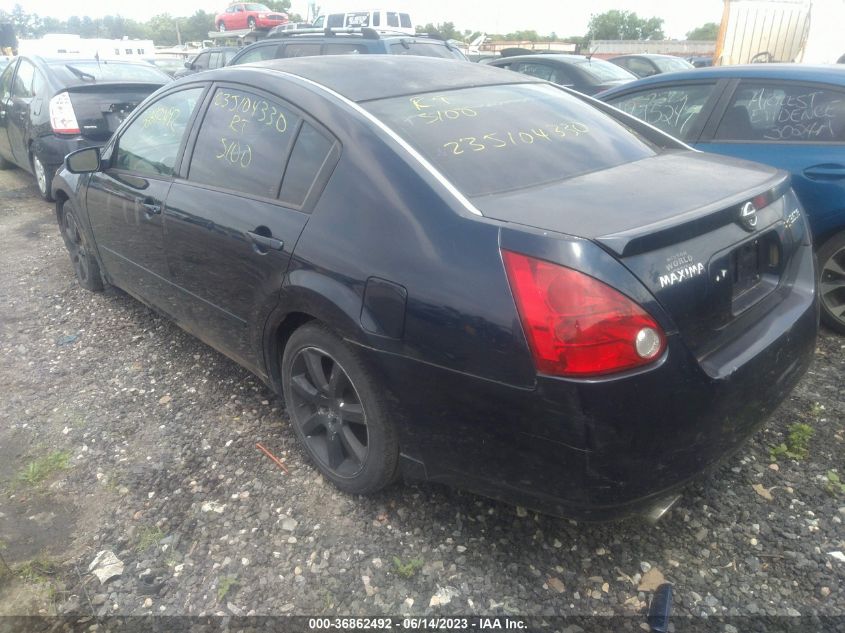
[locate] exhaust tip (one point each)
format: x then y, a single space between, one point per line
659 508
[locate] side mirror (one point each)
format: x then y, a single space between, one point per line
83 161
189 65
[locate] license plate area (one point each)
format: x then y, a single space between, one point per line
755 269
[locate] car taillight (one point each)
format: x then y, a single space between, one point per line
62 116
577 325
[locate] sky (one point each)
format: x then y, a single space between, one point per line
564 17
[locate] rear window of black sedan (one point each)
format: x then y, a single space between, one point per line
75 71
492 139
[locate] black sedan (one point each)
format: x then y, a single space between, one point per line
458 274
49 107
587 75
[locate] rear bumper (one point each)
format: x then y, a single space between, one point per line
52 149
602 449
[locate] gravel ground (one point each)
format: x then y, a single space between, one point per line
120 432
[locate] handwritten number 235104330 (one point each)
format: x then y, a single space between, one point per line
259 110
510 139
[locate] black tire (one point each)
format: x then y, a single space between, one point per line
221 27
43 177
336 409
831 258
84 263
250 23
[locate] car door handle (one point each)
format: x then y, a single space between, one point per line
828 171
152 207
265 242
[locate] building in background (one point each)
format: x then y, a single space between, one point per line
54 44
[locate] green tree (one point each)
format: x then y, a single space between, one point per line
624 25
446 29
197 26
708 32
523 36
26 25
161 29
281 6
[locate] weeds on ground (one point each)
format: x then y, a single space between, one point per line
409 569
5 570
148 535
37 570
835 486
225 584
797 445
35 472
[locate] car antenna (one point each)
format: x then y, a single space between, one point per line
591 53
97 57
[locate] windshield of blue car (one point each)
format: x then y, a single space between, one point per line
492 139
74 71
671 64
603 71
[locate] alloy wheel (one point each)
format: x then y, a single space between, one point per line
832 285
328 411
76 246
40 175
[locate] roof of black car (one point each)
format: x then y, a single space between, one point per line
366 77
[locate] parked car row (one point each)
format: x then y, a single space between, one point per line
453 272
50 107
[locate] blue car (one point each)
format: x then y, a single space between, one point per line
785 115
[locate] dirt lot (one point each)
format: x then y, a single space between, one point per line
120 432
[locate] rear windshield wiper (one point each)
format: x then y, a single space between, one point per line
80 73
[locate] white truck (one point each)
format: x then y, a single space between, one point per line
804 31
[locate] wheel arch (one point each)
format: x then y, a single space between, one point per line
309 296
823 238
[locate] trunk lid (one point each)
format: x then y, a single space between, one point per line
101 107
674 221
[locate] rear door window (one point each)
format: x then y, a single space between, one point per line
309 155
422 49
492 139
344 49
150 144
6 82
261 53
639 66
302 49
533 69
244 142
674 110
24 79
201 62
784 112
